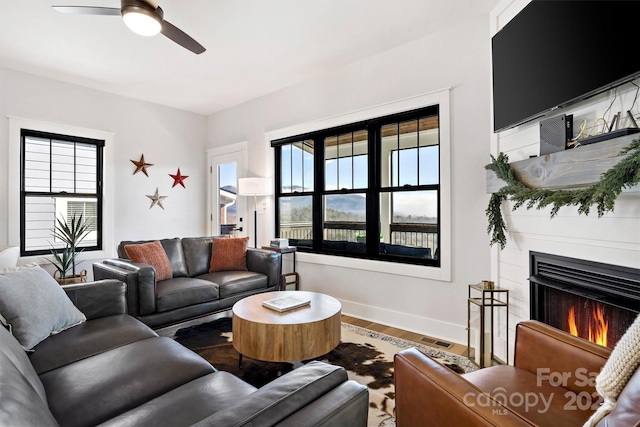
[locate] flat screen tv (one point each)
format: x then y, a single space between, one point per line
555 53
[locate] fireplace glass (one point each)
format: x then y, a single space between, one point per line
598 322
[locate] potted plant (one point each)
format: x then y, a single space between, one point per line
71 233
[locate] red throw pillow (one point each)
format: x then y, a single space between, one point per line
152 254
228 254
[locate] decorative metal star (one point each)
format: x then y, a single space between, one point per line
178 179
141 165
156 199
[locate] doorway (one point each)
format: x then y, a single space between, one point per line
227 211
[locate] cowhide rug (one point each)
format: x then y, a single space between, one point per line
366 355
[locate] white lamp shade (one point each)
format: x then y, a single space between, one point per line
254 186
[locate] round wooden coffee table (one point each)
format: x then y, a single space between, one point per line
299 334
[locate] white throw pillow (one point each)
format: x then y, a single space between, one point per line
35 306
9 256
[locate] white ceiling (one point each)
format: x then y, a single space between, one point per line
254 47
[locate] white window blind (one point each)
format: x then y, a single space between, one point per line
61 178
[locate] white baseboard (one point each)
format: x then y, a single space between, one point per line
421 325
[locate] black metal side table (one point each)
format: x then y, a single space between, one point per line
287 279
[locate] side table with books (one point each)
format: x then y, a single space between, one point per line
287 279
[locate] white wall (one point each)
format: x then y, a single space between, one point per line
167 137
456 58
614 238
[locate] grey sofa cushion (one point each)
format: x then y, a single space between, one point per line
173 248
101 387
187 404
197 253
86 340
236 282
20 405
35 306
183 292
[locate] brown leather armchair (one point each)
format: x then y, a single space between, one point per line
551 383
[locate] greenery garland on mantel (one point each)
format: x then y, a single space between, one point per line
603 194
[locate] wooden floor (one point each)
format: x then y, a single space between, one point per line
425 340
409 336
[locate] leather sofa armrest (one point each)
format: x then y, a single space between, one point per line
98 299
430 394
265 262
280 398
575 358
140 279
345 406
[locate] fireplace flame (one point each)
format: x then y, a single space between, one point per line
573 329
600 327
597 326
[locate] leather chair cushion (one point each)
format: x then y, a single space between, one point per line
120 380
88 339
526 394
187 404
569 353
236 282
173 249
197 254
184 291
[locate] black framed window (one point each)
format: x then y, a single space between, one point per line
61 176
369 189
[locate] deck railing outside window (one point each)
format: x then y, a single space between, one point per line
412 235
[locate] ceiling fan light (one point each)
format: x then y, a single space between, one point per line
142 22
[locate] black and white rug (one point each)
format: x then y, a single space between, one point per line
365 354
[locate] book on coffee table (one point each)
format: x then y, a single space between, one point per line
286 303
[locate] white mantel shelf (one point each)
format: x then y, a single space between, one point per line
575 168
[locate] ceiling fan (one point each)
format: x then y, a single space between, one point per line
143 17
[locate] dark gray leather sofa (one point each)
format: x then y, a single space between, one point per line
193 291
115 371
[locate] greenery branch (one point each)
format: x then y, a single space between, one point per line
603 194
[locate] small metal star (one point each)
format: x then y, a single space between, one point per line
156 199
141 165
178 179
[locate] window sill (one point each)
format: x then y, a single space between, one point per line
441 273
81 257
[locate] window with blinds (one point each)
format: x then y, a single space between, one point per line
61 177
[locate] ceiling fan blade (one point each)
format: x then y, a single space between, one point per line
182 38
89 10
152 3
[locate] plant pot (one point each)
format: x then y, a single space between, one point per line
76 278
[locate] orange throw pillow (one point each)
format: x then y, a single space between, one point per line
228 254
152 254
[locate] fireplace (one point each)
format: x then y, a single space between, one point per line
588 299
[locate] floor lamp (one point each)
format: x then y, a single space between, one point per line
254 187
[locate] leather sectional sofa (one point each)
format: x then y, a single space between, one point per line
192 291
551 383
113 370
